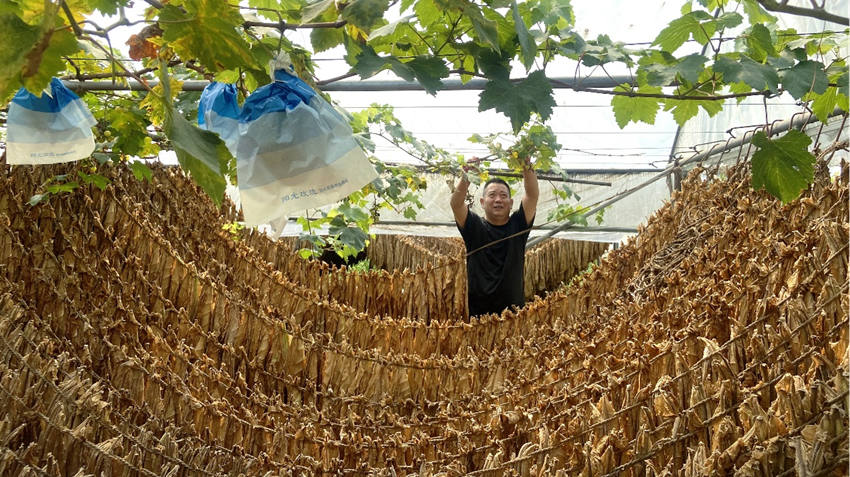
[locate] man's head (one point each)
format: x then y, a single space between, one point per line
496 201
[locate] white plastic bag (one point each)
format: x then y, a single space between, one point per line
293 150
55 127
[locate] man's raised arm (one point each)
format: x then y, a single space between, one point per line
458 201
532 192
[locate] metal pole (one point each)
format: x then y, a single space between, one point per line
351 85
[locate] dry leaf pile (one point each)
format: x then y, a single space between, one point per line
139 338
427 277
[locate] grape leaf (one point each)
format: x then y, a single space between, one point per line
429 70
368 63
14 31
759 43
684 109
527 45
784 167
315 9
201 153
108 7
353 214
756 14
364 13
45 64
128 124
353 237
96 179
824 104
141 171
680 30
757 75
728 20
324 39
390 28
804 77
427 12
517 101
689 68
206 30
636 109
486 29
33 54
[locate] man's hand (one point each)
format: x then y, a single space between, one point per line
458 199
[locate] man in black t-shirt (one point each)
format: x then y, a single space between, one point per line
495 263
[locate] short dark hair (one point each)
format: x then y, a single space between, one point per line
496 180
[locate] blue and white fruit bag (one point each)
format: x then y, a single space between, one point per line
293 150
55 127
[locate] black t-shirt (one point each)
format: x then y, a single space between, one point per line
495 273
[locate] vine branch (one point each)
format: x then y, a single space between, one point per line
819 13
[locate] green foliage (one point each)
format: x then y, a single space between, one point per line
363 266
31 51
741 68
201 153
206 30
784 167
519 100
535 143
234 230
636 108
141 171
65 184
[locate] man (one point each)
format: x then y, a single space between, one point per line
496 242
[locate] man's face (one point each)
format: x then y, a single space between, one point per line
497 203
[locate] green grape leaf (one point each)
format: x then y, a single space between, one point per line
729 20
141 171
65 187
314 10
493 65
528 47
759 43
805 77
13 31
368 63
108 7
843 83
201 153
756 14
44 61
757 75
487 30
95 179
324 39
429 70
389 28
206 30
354 238
635 109
784 167
427 12
128 124
517 101
364 13
353 214
824 104
680 30
689 68
685 109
